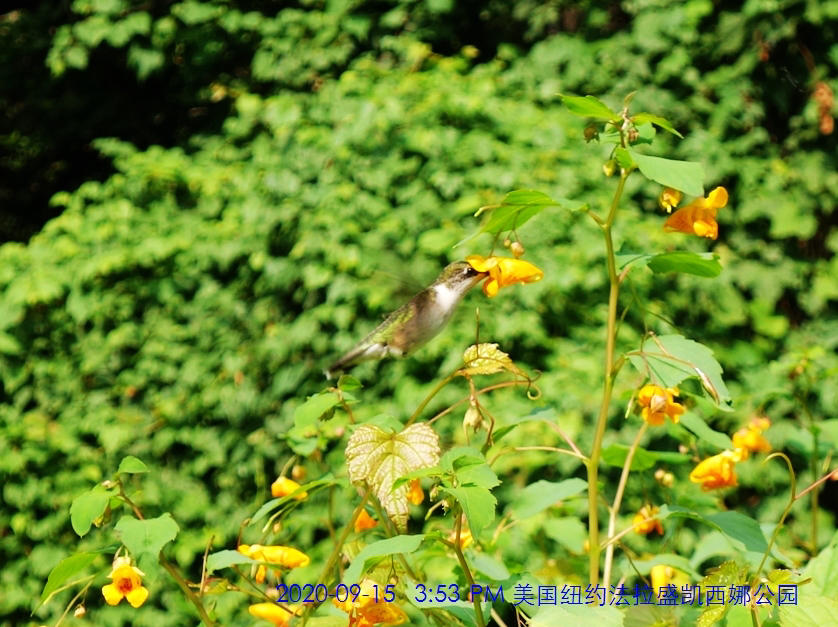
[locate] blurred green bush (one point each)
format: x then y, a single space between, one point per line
182 308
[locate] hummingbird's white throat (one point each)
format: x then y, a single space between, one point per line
446 298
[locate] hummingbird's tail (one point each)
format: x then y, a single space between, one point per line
362 352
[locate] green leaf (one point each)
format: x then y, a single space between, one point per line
9 344
736 526
686 176
589 107
703 432
88 507
225 559
347 383
131 464
471 471
478 505
699 264
379 459
811 609
726 575
486 358
568 531
823 569
487 565
65 569
669 359
540 495
315 406
382 548
615 455
515 209
623 159
273 504
642 118
146 536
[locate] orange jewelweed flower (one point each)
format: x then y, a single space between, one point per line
699 217
272 612
749 439
415 494
284 486
364 611
504 271
658 404
644 521
717 471
127 584
669 199
364 522
284 556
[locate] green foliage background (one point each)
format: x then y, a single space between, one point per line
180 308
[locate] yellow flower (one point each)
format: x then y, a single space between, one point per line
127 584
644 520
658 404
661 576
284 486
504 271
364 522
272 612
415 494
716 471
364 611
669 199
749 439
284 556
699 217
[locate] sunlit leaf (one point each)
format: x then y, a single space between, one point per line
64 570
146 536
699 264
540 495
487 358
641 118
87 507
589 107
382 548
686 176
379 458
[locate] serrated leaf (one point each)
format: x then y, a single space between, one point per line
476 473
698 264
88 507
347 382
379 459
686 176
726 575
146 536
669 359
542 494
478 505
642 118
65 569
589 107
811 609
487 358
132 465
225 559
382 548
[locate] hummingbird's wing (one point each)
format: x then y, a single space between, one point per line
378 344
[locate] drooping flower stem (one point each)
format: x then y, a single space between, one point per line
610 342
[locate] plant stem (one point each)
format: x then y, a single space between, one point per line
458 549
430 397
615 507
190 594
610 341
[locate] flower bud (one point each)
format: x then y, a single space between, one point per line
517 249
609 167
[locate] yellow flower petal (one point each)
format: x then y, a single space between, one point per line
271 612
480 263
699 217
658 404
364 522
112 594
716 471
669 199
644 521
504 271
415 494
284 486
137 596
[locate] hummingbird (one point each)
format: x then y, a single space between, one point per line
416 322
